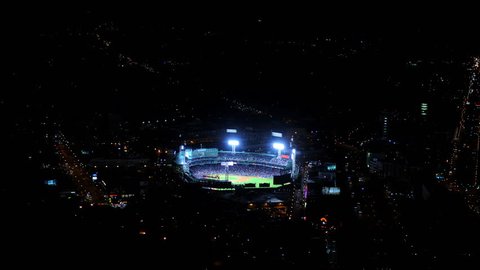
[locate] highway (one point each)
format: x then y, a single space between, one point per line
463 164
85 188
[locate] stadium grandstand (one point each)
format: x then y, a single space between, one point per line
232 169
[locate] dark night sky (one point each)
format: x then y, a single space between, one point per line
129 60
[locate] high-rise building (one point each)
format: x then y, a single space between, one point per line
423 110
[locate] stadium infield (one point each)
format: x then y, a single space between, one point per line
242 180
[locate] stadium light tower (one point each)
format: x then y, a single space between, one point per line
233 144
279 147
294 157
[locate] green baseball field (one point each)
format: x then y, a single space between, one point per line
242 180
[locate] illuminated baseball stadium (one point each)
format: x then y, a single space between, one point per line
230 169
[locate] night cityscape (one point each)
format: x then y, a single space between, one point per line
222 140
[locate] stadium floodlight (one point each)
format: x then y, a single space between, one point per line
233 144
279 147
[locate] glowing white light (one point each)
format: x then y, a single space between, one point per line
277 134
278 146
233 142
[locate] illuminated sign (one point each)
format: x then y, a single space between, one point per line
277 134
331 190
231 130
51 182
331 167
228 163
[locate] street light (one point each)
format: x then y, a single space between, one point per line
233 144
